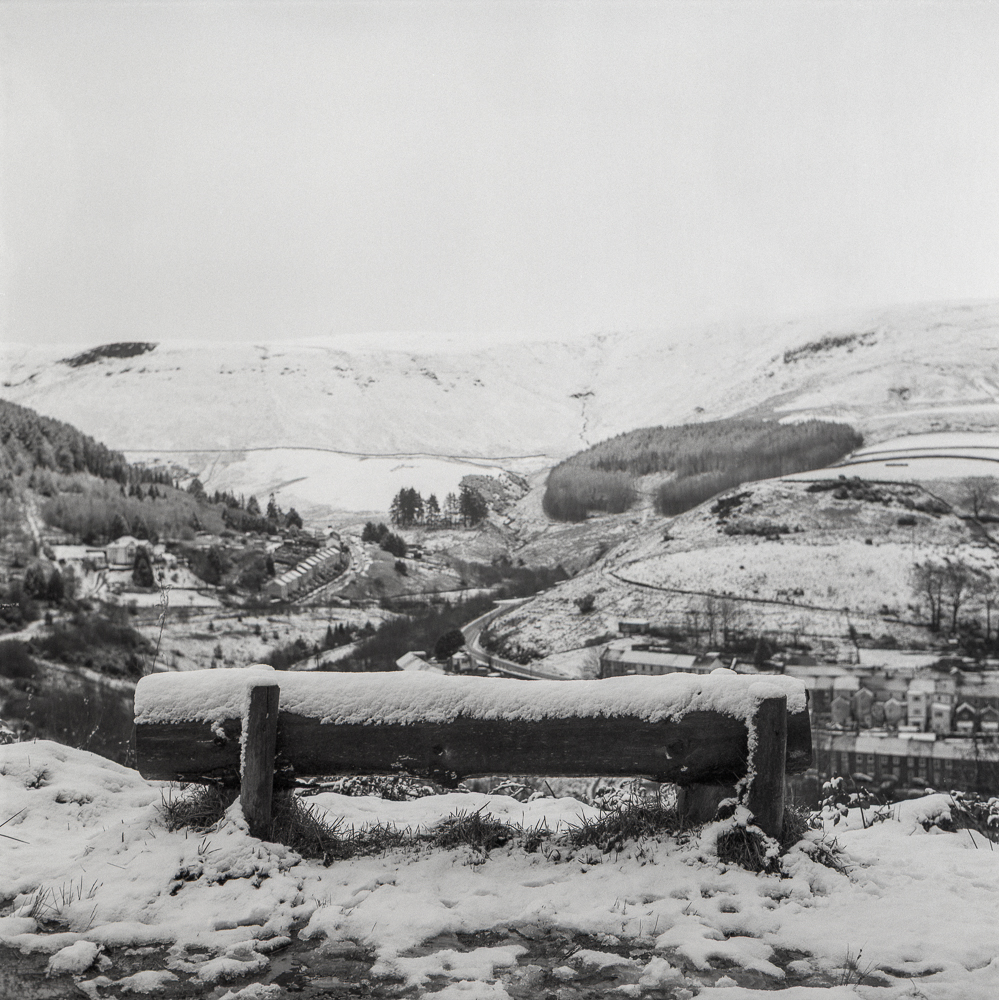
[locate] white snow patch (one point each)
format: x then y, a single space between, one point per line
217 899
479 963
411 697
74 958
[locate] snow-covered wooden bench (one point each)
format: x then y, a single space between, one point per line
255 726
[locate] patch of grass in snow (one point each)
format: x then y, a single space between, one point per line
750 848
49 905
476 830
637 819
197 807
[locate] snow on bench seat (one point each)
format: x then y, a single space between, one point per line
251 725
395 698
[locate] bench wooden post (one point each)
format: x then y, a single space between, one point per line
382 725
257 780
766 765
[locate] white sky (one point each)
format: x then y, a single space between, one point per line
256 171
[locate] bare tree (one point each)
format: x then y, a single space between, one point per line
959 583
978 494
986 590
729 617
709 605
927 581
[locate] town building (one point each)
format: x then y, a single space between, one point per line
624 657
907 760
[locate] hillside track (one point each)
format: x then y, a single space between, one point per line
628 582
472 632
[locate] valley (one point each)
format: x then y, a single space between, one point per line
820 563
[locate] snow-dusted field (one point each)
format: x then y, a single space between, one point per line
921 457
85 849
313 479
844 574
916 368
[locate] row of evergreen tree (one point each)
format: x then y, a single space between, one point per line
468 507
29 441
244 514
703 458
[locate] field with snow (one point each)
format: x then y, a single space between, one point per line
944 455
94 884
318 483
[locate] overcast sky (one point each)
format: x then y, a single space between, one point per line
258 171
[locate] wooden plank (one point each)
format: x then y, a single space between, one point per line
765 799
622 746
177 751
701 746
257 786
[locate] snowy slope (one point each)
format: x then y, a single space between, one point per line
89 871
834 564
921 365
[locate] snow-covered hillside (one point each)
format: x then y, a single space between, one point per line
777 559
96 886
920 367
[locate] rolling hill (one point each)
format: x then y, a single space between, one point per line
516 404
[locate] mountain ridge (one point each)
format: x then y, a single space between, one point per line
874 369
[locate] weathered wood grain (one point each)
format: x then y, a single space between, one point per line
703 747
257 787
766 789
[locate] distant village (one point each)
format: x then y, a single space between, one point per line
328 560
895 719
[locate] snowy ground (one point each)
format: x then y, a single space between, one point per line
831 563
192 642
951 455
317 481
89 873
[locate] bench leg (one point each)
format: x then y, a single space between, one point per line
698 804
766 765
257 781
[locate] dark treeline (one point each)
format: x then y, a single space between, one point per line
573 491
423 628
101 511
467 508
44 449
704 458
29 441
399 635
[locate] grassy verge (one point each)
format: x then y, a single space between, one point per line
308 831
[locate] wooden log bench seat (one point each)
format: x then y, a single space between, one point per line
256 727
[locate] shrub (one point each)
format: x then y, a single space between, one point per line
586 603
374 532
448 643
14 660
394 545
282 657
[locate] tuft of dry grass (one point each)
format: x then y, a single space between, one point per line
749 848
639 818
307 831
475 830
197 807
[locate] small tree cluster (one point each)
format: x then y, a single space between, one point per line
949 585
389 542
979 494
408 508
